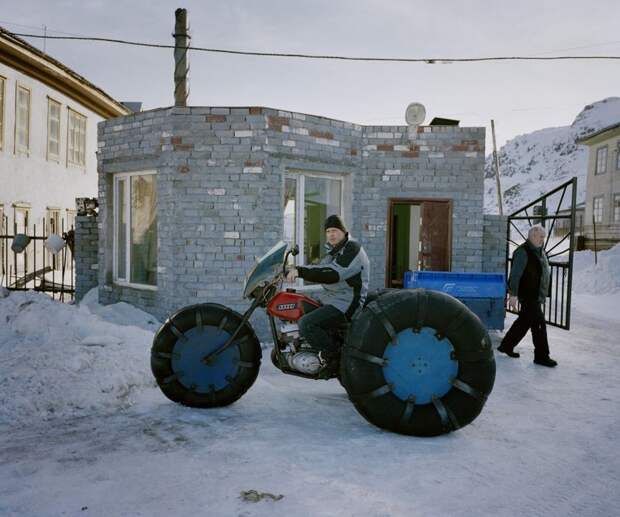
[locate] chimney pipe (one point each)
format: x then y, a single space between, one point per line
181 58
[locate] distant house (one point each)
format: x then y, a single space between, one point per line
602 208
48 142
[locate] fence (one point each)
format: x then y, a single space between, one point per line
36 268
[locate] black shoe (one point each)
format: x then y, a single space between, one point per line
546 361
509 353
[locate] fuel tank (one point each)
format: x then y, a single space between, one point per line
291 306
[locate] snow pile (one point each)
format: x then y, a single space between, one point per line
600 278
535 163
65 360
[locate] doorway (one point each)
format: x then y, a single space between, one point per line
419 237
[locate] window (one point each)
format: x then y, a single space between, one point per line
601 160
76 139
53 225
135 229
616 208
2 88
4 230
21 224
53 130
618 156
22 120
598 209
70 224
303 222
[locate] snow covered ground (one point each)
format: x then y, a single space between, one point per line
83 430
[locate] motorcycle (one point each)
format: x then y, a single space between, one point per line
412 361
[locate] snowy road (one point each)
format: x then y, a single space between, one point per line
545 444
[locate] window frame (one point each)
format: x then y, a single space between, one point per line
70 162
618 155
2 241
16 148
300 194
600 198
49 157
115 185
616 208
3 82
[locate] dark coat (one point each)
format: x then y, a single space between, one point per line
530 274
344 274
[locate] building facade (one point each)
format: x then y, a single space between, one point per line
48 141
602 209
189 197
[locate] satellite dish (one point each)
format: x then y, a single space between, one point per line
415 114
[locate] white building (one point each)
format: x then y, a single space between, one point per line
48 140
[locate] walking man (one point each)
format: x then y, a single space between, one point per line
529 283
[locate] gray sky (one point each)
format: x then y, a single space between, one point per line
521 96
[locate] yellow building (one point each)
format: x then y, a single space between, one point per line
602 211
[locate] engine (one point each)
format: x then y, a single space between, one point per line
298 354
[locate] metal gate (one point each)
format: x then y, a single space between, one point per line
559 245
35 267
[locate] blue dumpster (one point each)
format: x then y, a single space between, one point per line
483 293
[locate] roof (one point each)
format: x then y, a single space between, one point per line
599 135
22 56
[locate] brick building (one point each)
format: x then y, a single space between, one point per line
190 196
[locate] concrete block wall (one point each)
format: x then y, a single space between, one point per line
220 177
433 162
494 243
86 255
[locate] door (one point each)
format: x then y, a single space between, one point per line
419 233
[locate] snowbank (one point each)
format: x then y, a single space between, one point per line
601 278
65 360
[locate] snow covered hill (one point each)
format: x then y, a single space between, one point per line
535 163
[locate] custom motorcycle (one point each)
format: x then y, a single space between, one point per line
412 361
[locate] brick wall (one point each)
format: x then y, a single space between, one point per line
86 255
220 175
494 244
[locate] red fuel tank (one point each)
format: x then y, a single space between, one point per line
291 306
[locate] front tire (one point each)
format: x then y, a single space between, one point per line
186 338
418 362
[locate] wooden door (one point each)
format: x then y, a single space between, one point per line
435 253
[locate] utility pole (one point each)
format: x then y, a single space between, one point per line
496 161
181 58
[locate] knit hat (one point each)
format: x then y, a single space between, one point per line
334 221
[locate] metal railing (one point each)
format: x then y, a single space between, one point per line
36 268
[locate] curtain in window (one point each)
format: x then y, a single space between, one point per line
144 230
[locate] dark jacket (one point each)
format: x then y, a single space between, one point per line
344 274
530 273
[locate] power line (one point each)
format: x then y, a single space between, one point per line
318 56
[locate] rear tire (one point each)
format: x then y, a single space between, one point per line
182 342
418 362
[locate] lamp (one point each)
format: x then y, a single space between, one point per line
20 241
55 243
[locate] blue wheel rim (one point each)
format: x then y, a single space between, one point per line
187 358
420 365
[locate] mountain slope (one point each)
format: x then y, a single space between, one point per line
535 163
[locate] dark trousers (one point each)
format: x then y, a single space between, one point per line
312 327
531 318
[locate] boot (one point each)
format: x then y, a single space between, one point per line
507 351
545 361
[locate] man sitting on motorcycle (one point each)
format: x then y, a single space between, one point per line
344 273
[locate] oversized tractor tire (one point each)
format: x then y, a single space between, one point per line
418 362
183 341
